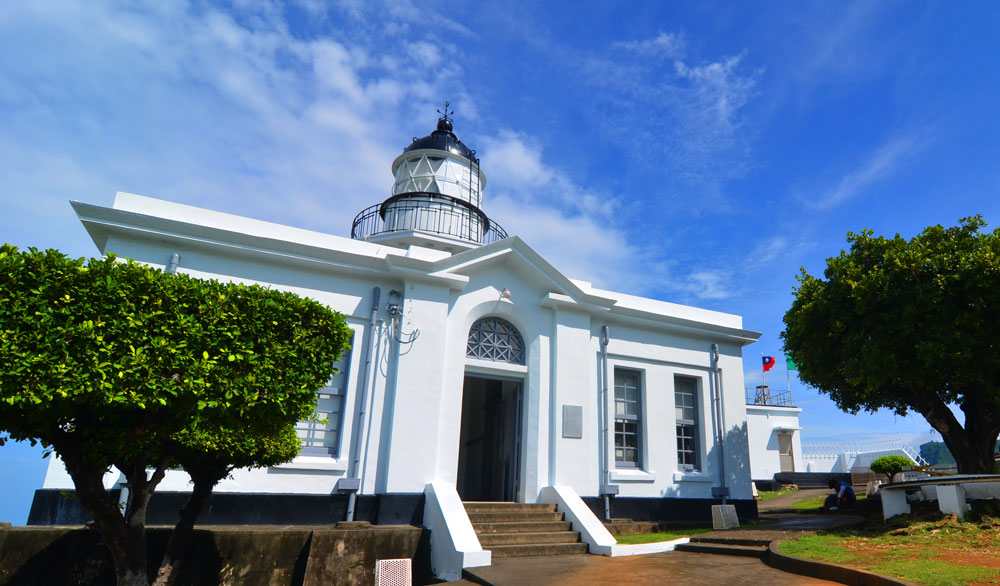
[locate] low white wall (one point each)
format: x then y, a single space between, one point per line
454 544
592 531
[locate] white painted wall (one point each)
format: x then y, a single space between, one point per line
415 393
763 425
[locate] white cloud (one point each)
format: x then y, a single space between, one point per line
570 225
720 91
516 163
883 162
687 114
665 45
235 112
768 251
581 230
227 111
709 284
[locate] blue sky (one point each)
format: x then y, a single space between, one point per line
696 152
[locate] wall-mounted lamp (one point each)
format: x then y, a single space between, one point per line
395 301
505 294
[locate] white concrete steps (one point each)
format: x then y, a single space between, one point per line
521 538
520 530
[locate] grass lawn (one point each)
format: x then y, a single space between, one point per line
816 503
656 536
927 549
672 534
766 495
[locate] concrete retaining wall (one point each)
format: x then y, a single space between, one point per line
223 556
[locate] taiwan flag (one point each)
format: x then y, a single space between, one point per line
768 363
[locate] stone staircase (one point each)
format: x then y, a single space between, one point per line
520 530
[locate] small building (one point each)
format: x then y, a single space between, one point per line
478 371
773 433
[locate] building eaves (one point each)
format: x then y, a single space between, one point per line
307 248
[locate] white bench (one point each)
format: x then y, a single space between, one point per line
950 493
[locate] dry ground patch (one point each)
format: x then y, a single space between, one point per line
925 547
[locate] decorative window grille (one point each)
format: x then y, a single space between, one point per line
628 418
393 572
320 435
492 338
686 412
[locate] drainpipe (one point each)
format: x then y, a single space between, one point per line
716 376
353 484
606 488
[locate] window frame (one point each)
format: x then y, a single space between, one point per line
685 428
495 339
629 419
337 386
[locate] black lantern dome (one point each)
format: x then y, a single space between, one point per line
443 139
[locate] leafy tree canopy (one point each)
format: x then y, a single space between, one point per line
891 465
907 325
115 363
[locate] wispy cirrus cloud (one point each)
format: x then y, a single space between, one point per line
686 113
663 46
879 164
581 230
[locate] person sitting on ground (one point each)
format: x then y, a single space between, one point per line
842 497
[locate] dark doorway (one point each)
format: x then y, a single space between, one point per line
489 452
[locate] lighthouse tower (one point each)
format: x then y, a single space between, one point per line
437 197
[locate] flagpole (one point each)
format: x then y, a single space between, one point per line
763 371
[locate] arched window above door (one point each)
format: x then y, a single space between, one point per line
493 338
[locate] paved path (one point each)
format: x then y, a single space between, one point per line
678 568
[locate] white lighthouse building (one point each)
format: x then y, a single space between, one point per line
478 372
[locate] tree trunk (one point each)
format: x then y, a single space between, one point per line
127 542
972 446
170 567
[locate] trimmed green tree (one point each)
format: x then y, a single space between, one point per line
908 325
116 364
891 465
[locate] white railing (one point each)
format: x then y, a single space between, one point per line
861 452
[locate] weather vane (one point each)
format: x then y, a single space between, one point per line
446 113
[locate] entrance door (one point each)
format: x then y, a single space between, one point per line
785 452
489 452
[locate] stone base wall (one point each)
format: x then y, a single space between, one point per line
222 556
669 511
61 507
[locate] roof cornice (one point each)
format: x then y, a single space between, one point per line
100 222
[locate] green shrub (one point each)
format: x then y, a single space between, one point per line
891 465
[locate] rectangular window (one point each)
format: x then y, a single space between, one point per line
322 437
628 418
686 406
